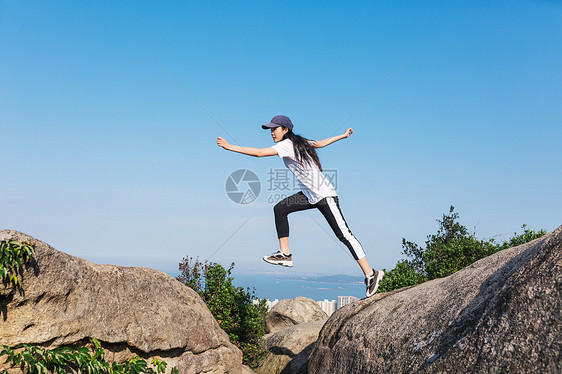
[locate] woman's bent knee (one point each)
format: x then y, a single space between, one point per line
280 208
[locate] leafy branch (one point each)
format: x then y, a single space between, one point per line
36 360
13 255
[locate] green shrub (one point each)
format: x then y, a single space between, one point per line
88 360
449 250
403 275
518 239
232 307
13 255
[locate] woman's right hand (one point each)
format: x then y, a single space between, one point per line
221 142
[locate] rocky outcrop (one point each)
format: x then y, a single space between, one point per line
294 325
289 348
131 311
290 312
499 315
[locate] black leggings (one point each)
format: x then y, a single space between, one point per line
330 209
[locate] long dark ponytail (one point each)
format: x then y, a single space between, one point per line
304 151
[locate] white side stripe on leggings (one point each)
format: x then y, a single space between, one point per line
343 228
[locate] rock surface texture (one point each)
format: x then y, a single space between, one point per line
289 348
295 324
499 315
131 311
290 312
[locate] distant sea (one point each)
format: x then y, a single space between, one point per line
315 286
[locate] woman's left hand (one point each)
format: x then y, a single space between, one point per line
348 132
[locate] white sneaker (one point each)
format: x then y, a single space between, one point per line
372 282
279 258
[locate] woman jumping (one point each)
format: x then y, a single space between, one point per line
299 155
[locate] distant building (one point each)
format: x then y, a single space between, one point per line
344 300
328 306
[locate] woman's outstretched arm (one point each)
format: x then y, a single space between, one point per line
328 141
256 152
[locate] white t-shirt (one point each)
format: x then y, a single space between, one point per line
313 183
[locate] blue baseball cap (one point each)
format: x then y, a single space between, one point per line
279 121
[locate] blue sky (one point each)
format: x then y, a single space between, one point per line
107 158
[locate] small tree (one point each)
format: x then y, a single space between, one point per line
233 307
449 250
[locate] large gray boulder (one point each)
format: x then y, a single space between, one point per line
290 312
499 315
289 348
130 310
293 326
